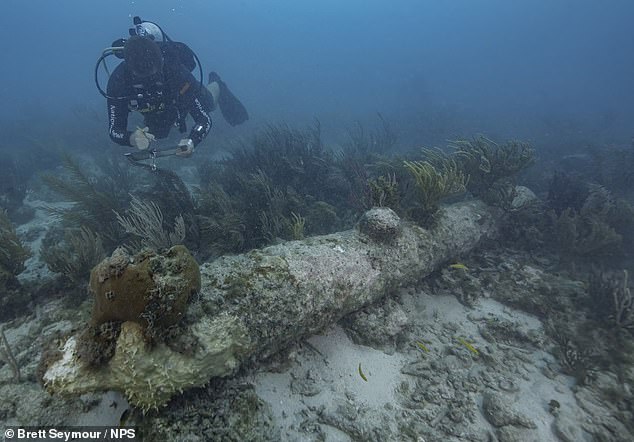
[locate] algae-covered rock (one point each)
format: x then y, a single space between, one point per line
149 288
380 326
523 197
499 411
380 224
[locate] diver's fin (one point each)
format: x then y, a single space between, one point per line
233 111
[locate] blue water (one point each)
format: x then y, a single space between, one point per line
511 68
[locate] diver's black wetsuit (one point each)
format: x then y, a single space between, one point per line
164 100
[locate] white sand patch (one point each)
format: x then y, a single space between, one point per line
344 358
335 372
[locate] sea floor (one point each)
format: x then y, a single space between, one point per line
423 391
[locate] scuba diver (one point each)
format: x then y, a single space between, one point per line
155 79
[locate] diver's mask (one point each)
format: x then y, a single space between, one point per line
147 29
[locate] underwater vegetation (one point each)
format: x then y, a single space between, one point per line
574 349
13 186
17 168
611 299
105 214
282 184
492 167
368 163
590 206
7 355
592 228
584 226
384 191
579 235
285 184
95 200
480 166
579 221
145 220
285 156
174 200
12 257
528 227
274 187
596 331
437 177
613 168
74 254
566 191
89 230
12 253
380 140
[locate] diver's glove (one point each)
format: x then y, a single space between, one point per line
141 138
186 146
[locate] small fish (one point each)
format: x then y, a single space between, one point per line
458 266
361 373
469 346
422 346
